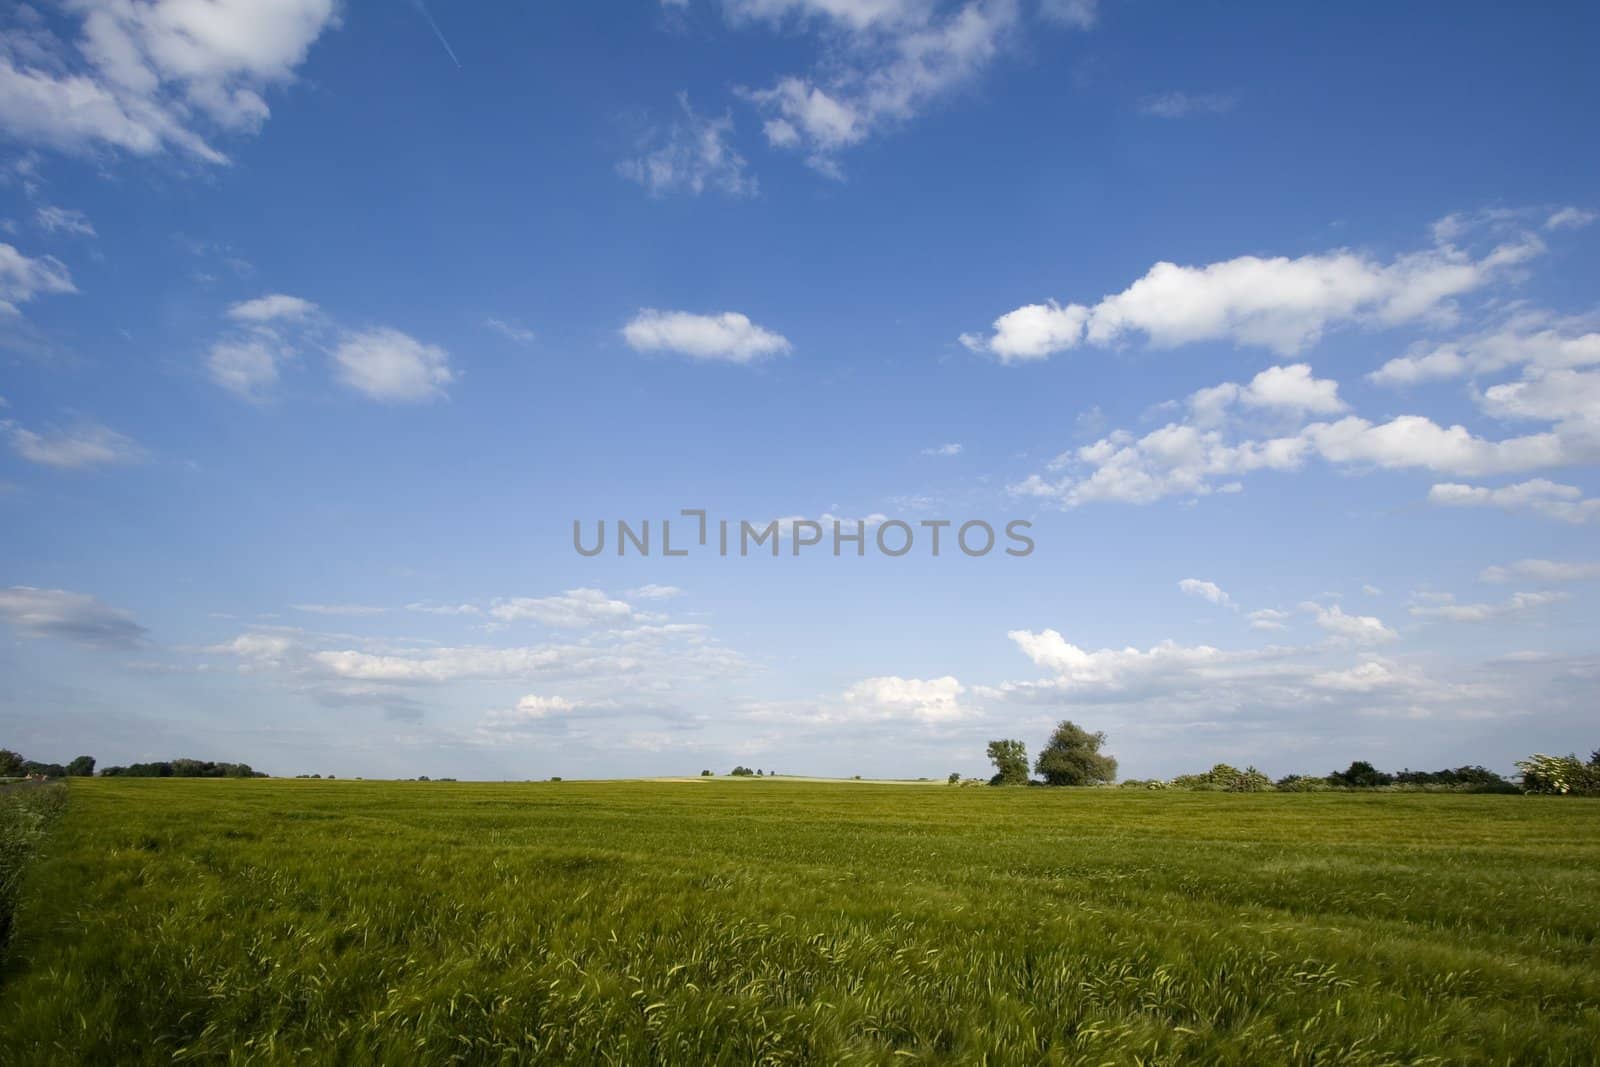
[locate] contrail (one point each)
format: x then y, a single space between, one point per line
451 52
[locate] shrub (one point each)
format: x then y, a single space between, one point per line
1560 775
1302 783
1224 778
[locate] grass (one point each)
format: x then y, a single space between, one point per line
794 922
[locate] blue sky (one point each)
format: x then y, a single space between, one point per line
320 325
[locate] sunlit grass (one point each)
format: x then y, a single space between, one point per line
789 922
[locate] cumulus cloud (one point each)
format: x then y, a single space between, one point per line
148 77
1207 452
1205 591
79 447
272 307
571 609
1278 303
75 617
1360 629
1291 389
387 365
22 278
726 337
1538 495
1528 339
248 362
932 700
1269 619
692 155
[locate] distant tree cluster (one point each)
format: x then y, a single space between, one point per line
1071 756
12 765
746 772
183 768
1360 775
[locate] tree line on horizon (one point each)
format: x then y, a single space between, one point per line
12 765
1072 757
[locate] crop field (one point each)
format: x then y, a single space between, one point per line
785 922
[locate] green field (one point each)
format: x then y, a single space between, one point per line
785 922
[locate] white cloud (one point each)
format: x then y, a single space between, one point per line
1074 14
339 609
531 710
1205 454
1546 396
1177 105
1033 331
952 449
1529 339
893 62
23 278
728 336
511 330
1570 218
655 592
82 446
1269 619
428 607
1518 604
1538 495
574 608
1278 303
385 364
144 77
75 617
692 155
1290 389
1361 629
63 220
272 307
246 366
1542 570
933 700
1205 591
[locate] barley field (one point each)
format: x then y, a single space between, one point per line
778 922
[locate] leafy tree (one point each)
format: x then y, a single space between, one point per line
1072 756
1360 775
955 778
10 763
1010 759
742 771
707 774
82 767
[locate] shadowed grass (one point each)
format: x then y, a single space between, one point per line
782 922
